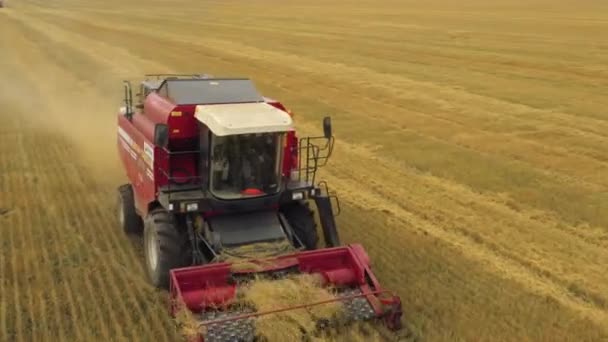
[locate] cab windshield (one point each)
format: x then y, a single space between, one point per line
246 165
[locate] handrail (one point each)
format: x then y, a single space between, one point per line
312 156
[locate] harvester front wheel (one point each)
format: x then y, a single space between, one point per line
165 247
130 221
302 219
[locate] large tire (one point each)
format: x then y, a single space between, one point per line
165 247
302 220
130 221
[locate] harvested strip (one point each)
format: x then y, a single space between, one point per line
268 295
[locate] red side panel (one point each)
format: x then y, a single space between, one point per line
137 155
158 109
183 123
200 290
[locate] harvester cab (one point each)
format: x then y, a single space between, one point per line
217 174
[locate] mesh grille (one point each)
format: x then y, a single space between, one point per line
243 330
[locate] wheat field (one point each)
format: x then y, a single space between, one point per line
471 157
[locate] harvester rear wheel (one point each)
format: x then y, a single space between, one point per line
165 247
130 221
302 220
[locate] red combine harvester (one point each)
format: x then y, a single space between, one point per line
214 166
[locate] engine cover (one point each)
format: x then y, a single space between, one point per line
246 228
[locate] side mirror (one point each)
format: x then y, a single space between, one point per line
327 127
161 135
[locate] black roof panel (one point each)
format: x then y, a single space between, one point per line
185 91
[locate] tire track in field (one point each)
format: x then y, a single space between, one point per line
58 328
40 259
26 259
164 327
19 309
84 302
16 247
61 327
104 297
57 237
108 279
83 221
5 223
124 262
30 254
8 280
10 301
3 271
134 293
88 302
116 274
122 291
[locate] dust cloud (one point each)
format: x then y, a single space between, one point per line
75 111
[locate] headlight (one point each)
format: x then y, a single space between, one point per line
192 207
297 196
